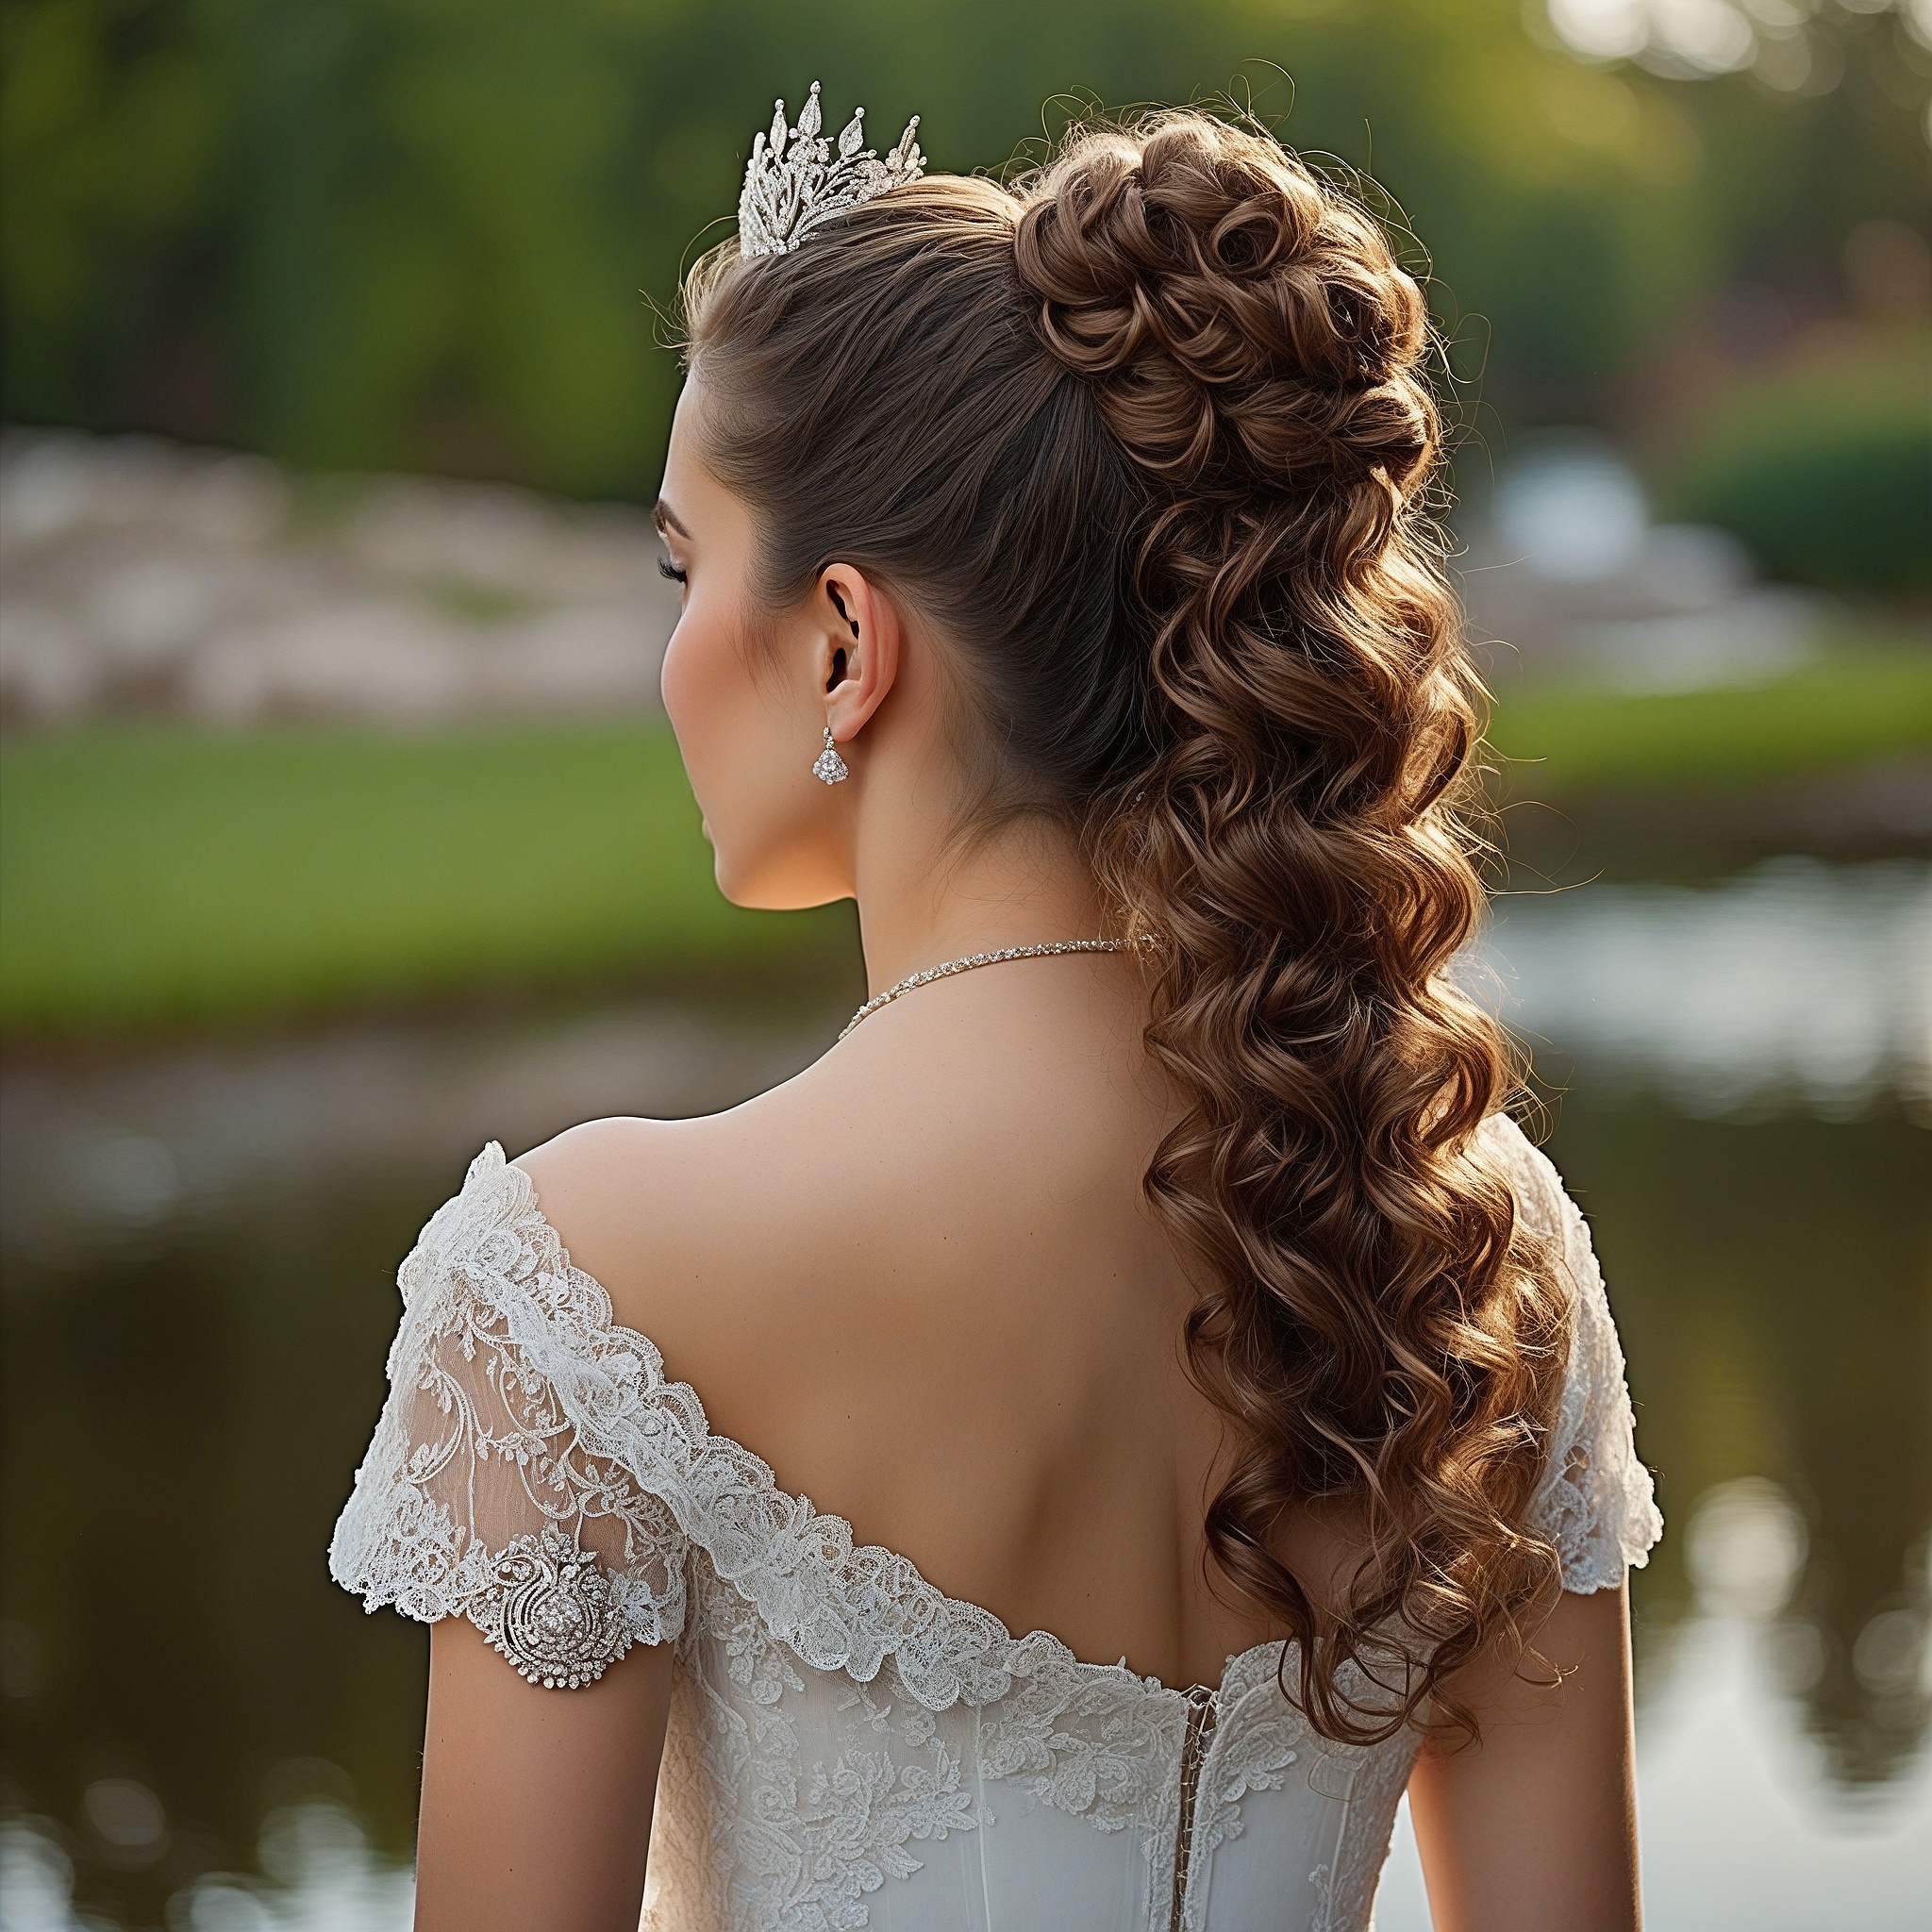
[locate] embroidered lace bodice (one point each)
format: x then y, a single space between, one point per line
848 1747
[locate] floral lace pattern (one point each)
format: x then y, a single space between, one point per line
479 1497
1090 1740
801 1841
838 1724
1596 1503
1260 1736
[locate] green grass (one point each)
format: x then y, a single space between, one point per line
158 876
1836 715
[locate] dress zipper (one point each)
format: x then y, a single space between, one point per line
1202 1713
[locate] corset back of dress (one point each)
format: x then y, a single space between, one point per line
793 1796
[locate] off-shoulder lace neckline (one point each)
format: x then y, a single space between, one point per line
841 1606
827 1536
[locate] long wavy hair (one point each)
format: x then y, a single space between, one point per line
1147 435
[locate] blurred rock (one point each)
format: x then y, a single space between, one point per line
99 1148
358 657
1565 577
146 580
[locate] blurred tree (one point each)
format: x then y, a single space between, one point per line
113 122
1824 471
371 232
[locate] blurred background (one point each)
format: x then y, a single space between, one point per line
340 830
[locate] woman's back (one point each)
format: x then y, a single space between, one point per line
923 1282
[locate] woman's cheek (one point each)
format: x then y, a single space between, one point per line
671 676
689 702
713 712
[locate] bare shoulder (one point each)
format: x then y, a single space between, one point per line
809 1256
927 1117
753 1246
677 1221
724 1209
611 1187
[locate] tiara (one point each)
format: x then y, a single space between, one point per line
793 182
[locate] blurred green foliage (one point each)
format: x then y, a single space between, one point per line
1843 711
369 233
163 875
157 876
1824 471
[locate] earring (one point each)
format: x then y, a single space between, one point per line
828 765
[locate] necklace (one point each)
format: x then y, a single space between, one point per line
967 964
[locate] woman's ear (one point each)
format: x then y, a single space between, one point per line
862 643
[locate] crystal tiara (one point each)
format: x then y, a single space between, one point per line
793 181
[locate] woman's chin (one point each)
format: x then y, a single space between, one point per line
754 890
764 890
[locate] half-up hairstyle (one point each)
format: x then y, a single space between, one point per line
1145 436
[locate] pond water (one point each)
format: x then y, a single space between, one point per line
202 1732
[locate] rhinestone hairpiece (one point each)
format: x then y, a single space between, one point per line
793 181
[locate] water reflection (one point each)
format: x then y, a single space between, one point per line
202 1732
318 1872
179 1408
1770 1279
1795 983
1741 1829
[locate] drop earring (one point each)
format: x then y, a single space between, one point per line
829 766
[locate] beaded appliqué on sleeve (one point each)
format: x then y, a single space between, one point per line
553 1612
601 1422
480 1497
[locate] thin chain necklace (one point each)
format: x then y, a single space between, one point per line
967 964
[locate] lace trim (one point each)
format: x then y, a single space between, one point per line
492 1267
463 1402
838 1605
1596 1502
810 1840
517 1352
1259 1736
1079 1737
542 1603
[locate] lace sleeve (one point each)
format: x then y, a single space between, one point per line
1596 1502
479 1497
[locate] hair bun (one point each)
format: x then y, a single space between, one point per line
1240 322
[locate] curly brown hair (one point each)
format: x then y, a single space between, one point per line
1146 434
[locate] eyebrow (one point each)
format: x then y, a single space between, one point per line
667 519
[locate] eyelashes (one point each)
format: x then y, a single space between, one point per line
666 569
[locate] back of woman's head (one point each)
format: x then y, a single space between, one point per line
1143 437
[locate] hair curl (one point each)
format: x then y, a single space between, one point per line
1146 433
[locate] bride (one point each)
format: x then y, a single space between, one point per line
1072 1458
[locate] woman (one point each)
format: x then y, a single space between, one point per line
1150 1267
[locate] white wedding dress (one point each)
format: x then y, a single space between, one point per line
849 1747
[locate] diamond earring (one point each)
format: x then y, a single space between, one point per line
828 765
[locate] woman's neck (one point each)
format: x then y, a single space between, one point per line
925 900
